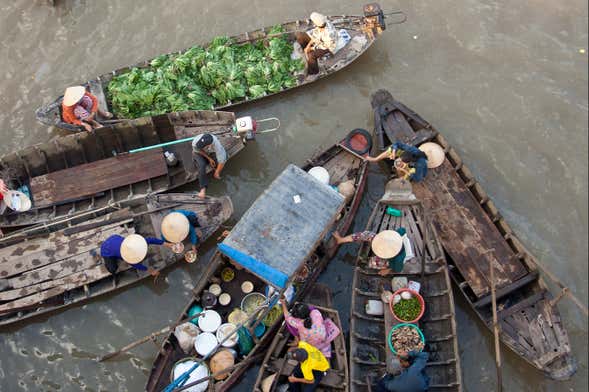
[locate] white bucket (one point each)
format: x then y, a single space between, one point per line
205 343
223 331
200 372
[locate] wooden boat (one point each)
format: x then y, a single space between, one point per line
83 172
370 356
260 230
275 361
473 233
363 31
63 268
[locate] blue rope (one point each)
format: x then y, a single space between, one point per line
180 381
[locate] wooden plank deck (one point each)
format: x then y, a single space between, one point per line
91 178
467 232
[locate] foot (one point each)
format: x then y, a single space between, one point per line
202 194
107 115
217 176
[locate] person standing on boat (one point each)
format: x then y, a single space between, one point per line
408 374
79 107
208 151
179 224
312 367
388 247
309 326
131 249
318 42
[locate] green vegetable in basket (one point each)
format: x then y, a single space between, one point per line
407 309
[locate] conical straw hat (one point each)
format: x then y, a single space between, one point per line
73 94
175 227
435 154
17 201
134 249
387 244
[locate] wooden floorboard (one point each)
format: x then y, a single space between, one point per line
91 178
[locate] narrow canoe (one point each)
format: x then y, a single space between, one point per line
275 361
342 165
473 233
59 269
370 354
363 31
83 172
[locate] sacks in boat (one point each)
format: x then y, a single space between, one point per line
186 333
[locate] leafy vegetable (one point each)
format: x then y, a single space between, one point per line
205 78
407 309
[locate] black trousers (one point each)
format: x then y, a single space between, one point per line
302 387
202 163
314 55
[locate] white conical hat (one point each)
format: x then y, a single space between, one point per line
17 201
134 249
387 244
175 227
73 94
318 19
320 173
435 154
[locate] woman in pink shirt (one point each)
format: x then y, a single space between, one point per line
310 326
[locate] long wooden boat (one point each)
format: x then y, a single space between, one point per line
275 361
83 172
275 215
474 234
363 31
64 268
370 355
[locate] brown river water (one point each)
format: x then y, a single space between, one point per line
505 81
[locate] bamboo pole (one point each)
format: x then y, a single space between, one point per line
495 327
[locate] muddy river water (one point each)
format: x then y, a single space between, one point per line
505 81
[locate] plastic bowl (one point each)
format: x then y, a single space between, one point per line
390 336
419 298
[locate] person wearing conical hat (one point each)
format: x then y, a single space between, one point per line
411 163
388 248
3 191
131 249
79 107
16 201
318 42
180 224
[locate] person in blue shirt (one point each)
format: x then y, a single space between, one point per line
409 162
131 250
408 376
194 232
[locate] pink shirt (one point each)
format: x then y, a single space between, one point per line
315 335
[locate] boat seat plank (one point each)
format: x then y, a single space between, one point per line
92 178
467 232
531 300
506 290
53 252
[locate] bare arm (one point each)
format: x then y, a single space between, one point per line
383 155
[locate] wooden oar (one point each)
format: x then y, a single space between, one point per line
147 338
495 325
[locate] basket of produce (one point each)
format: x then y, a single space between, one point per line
253 301
273 315
406 337
407 306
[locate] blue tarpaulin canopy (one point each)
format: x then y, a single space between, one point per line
278 233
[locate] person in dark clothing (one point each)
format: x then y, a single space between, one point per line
409 162
412 377
131 249
208 151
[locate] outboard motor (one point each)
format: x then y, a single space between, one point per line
248 127
374 18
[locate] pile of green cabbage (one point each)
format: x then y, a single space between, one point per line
205 78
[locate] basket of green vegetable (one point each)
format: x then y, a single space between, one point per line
407 306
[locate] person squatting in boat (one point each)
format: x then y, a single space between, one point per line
79 107
388 248
131 249
207 150
408 374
